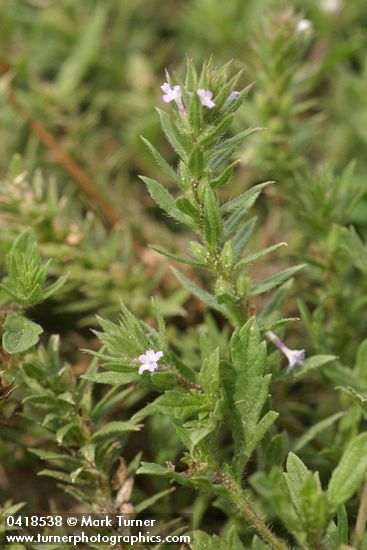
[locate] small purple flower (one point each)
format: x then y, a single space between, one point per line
173 94
294 356
233 95
205 97
149 361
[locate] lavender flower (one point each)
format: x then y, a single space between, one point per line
205 97
149 361
173 94
294 356
233 95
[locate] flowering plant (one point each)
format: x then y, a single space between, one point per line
217 390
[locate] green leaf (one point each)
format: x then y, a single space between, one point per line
203 295
242 237
88 452
196 162
204 541
149 468
311 363
246 392
357 397
212 218
348 476
246 200
361 362
209 373
185 206
180 259
63 431
165 167
163 198
317 428
147 503
113 377
180 404
225 150
115 428
20 333
338 535
313 509
258 544
225 176
216 132
55 287
274 281
174 137
295 477
259 255
234 541
61 460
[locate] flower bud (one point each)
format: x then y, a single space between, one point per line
223 287
228 257
243 284
199 252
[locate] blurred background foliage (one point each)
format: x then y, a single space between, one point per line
79 85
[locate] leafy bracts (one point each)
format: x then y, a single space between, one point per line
197 128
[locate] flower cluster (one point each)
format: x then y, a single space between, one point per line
206 96
174 94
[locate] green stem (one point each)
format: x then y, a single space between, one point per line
236 497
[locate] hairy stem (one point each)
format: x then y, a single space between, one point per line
236 497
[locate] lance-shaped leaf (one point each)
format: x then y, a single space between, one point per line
348 476
213 224
358 398
317 428
185 206
175 257
275 280
225 176
203 295
225 150
259 255
164 199
246 200
177 140
216 132
209 373
162 163
295 477
196 162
